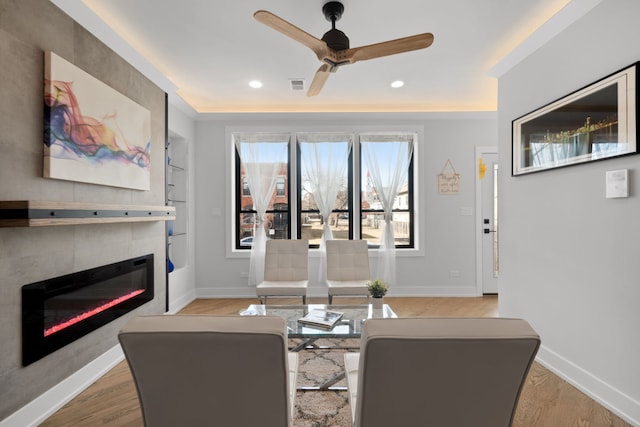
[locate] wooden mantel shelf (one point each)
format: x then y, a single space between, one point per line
30 213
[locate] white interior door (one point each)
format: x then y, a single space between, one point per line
487 212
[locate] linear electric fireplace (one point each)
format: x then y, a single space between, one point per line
58 311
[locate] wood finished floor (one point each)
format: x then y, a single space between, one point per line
546 400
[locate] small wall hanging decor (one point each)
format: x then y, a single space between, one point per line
482 169
92 133
448 182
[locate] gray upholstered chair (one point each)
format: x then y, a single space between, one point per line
347 268
439 371
198 370
286 270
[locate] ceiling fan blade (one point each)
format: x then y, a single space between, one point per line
405 44
267 18
319 80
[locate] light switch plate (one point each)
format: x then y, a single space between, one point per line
466 211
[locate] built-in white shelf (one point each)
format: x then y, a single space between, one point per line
177 196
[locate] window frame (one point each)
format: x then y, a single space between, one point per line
410 210
239 185
417 199
350 198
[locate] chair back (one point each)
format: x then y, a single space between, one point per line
442 371
286 260
196 370
347 260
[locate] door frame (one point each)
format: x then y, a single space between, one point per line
480 151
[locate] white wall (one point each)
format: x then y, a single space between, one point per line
447 238
568 255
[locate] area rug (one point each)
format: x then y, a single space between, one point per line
322 408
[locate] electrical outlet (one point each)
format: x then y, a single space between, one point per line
454 273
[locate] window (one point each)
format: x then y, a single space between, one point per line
324 193
343 184
245 187
262 201
280 186
386 173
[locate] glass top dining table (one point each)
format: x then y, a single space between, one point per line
349 326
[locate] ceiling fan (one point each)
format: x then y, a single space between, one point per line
333 49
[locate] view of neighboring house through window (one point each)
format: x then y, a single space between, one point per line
346 186
262 164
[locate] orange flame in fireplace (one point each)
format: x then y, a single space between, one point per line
80 317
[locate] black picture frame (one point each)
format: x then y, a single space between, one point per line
594 123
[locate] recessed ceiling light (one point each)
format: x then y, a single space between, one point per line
397 84
256 84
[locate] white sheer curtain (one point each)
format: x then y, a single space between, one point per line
324 159
263 157
387 159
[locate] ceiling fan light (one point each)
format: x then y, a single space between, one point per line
396 84
256 84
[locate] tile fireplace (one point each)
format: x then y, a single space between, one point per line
58 311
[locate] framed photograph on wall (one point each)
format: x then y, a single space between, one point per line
594 123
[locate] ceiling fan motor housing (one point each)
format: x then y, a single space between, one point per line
336 39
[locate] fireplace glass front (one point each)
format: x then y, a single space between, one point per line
58 311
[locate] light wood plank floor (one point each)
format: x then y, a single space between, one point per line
546 399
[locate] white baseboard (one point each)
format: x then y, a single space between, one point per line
41 408
249 292
433 291
182 302
616 401
320 292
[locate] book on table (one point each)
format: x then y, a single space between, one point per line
326 319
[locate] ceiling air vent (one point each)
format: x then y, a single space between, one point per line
297 84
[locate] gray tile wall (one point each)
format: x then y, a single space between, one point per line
27 29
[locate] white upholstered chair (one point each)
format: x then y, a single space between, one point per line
286 270
347 268
199 370
439 371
